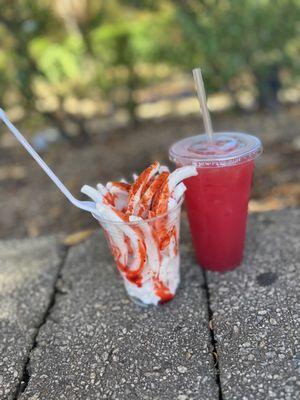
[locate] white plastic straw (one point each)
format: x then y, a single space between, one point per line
202 101
80 204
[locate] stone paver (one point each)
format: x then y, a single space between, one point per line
28 270
256 313
97 344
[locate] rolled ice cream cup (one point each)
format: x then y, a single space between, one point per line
146 253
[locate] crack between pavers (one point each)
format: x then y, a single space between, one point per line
107 362
212 337
26 375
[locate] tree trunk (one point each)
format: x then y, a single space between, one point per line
268 85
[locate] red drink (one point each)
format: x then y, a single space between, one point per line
217 198
217 203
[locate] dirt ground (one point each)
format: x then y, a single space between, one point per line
30 205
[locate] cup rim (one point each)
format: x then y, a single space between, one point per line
148 220
250 152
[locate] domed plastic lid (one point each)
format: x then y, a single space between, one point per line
228 148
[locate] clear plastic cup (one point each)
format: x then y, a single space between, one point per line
217 198
147 255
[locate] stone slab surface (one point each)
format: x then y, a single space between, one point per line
256 313
97 344
28 270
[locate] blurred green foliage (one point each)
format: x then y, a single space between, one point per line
233 38
56 50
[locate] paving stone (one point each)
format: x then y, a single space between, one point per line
97 344
256 313
28 270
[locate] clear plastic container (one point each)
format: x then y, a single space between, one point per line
228 148
217 198
147 255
